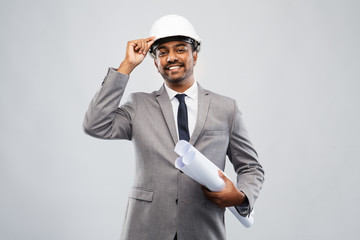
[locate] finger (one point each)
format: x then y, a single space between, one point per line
132 44
151 42
221 174
137 46
146 49
143 46
206 192
205 189
150 39
209 194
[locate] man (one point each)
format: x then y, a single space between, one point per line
164 203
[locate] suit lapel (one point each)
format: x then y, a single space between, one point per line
204 100
164 102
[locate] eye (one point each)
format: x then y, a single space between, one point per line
162 53
181 50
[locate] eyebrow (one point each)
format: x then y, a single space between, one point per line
177 45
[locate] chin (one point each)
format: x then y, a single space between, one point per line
175 80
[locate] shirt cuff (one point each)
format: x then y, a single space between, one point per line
244 209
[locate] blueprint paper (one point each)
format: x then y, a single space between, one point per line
196 166
181 166
203 169
246 221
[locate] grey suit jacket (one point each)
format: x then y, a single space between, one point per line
164 201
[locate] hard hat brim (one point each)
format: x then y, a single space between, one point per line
195 44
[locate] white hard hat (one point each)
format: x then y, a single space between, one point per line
171 28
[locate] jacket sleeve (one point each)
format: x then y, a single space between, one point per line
104 119
250 174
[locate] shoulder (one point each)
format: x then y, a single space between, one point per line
221 98
144 95
218 99
143 99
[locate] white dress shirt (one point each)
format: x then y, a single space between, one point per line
191 101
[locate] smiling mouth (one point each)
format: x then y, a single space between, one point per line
173 68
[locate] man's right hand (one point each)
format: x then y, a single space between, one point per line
136 51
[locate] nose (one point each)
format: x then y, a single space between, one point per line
172 57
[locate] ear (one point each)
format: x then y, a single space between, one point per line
156 64
195 55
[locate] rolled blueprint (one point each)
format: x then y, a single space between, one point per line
196 166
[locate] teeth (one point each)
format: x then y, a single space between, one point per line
174 67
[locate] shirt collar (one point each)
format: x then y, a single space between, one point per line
191 92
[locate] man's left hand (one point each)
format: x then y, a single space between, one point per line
229 196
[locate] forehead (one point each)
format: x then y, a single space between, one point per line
173 44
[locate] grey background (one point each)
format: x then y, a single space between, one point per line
293 67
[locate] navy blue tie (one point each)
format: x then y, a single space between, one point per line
182 118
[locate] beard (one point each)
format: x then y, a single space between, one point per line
177 78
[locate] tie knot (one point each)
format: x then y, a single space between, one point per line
180 97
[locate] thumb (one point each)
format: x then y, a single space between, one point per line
221 175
